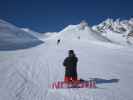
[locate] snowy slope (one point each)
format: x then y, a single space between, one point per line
48 35
81 31
27 74
12 37
118 31
34 33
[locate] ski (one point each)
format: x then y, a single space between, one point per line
85 84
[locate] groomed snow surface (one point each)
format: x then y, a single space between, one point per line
26 74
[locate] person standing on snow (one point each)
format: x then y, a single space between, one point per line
70 64
58 41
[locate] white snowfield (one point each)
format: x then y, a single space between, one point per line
27 74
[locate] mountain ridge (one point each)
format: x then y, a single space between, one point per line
112 31
13 37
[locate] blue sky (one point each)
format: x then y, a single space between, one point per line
54 15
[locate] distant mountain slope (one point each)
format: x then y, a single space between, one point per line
31 32
116 32
119 31
12 37
82 32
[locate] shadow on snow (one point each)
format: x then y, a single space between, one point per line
102 81
17 46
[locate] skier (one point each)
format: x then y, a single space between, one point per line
79 37
70 64
58 41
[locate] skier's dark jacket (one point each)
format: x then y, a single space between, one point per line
70 64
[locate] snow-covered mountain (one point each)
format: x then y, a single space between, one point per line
81 31
12 37
78 32
118 26
34 33
107 31
119 31
48 35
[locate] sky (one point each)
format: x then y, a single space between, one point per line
54 15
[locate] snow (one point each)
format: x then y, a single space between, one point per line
26 74
80 32
13 38
118 31
34 33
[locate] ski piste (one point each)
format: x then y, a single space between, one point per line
80 84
